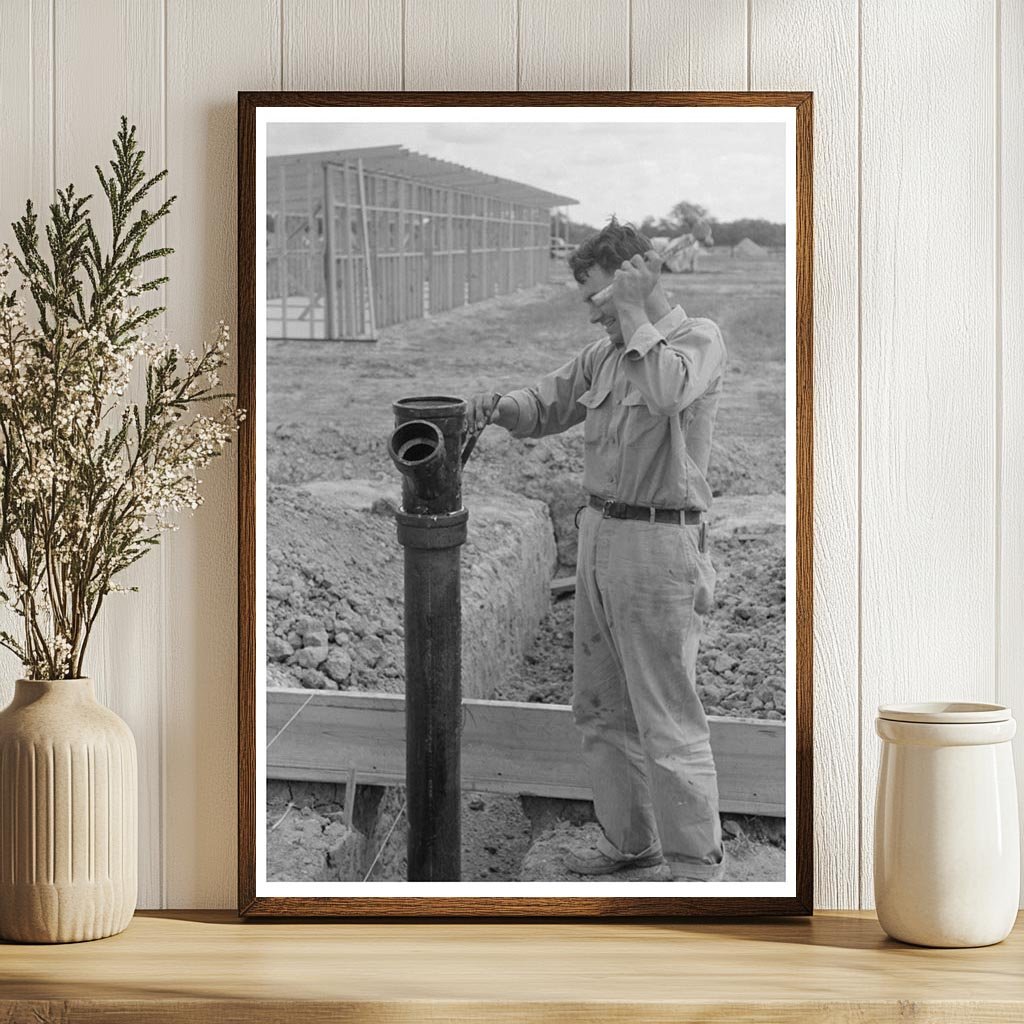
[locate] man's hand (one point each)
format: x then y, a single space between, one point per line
635 280
490 407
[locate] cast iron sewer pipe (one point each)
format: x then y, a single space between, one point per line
426 446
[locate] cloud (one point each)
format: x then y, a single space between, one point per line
634 169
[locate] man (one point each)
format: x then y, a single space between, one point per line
648 392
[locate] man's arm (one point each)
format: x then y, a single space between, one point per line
548 407
673 373
669 375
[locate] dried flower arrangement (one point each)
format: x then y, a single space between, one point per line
88 477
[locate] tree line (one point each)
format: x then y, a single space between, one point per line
689 218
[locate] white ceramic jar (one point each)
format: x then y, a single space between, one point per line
947 847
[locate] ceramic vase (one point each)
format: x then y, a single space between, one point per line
947 847
68 815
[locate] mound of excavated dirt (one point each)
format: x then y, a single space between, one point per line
335 587
741 667
307 841
307 838
495 838
749 856
304 847
549 469
504 838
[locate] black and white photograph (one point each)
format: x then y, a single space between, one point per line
525 502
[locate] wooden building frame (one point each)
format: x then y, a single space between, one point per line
405 236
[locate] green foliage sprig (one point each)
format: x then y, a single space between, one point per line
89 477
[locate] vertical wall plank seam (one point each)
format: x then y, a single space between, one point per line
689 50
162 696
860 456
32 63
403 13
997 234
53 98
629 38
750 44
280 38
518 45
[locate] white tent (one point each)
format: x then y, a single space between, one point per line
749 250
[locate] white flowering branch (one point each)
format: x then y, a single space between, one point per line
88 478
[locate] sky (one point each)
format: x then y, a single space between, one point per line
735 170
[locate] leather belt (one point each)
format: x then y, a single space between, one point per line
620 510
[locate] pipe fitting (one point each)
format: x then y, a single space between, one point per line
417 448
432 533
426 448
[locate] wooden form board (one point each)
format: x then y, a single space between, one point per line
507 747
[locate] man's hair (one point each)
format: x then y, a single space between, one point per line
607 249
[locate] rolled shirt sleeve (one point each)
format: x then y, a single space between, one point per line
673 373
550 406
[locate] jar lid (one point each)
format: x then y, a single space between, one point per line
945 713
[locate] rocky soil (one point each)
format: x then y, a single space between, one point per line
503 838
741 665
335 587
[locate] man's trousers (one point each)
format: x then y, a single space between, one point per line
645 735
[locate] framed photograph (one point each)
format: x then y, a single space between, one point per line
525 501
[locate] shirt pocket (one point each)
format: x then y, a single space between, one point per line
599 413
641 428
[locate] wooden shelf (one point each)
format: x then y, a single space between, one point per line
210 967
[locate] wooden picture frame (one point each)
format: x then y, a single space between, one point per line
254 898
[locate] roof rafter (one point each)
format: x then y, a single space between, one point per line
401 162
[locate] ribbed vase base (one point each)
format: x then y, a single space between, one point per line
68 815
63 913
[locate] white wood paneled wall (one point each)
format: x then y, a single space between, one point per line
919 317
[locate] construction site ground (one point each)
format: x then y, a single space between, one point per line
329 416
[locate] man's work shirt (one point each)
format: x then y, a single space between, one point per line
649 407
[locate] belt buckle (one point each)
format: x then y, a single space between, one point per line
606 509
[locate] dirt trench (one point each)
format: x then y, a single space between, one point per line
504 838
